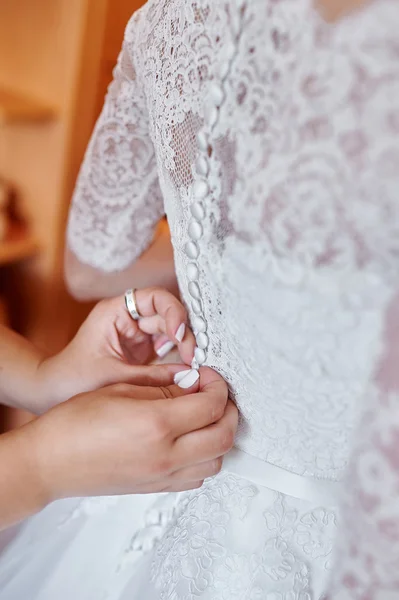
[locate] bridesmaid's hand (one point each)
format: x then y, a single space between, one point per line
122 439
111 347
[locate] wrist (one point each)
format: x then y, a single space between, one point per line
19 378
45 388
35 389
56 381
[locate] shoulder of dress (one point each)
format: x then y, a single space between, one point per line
133 25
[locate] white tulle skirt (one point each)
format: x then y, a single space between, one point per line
230 540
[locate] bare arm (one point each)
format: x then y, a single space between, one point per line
126 440
19 366
21 488
155 267
109 348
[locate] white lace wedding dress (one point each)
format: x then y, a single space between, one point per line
271 141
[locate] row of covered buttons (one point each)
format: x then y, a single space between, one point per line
200 192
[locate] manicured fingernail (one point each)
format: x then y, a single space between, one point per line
180 376
165 349
189 379
181 332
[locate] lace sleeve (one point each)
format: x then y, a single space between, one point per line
117 202
368 548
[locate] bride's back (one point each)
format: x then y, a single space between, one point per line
277 138
272 141
276 142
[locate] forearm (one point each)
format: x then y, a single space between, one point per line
21 490
155 267
19 364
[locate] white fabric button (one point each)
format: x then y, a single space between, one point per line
202 341
199 324
195 230
202 141
202 166
217 94
196 306
194 290
192 250
192 272
211 115
198 210
200 356
200 189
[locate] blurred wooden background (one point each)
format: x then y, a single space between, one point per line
56 60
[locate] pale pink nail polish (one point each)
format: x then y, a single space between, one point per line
165 349
189 379
180 333
180 376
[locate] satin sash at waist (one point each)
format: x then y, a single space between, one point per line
262 473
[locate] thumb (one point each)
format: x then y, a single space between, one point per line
209 379
157 381
186 382
212 383
206 380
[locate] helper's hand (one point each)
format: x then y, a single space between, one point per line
110 347
128 439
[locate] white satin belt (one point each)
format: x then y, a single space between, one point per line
260 472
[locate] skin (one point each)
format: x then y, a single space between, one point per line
108 424
109 348
333 10
154 267
123 439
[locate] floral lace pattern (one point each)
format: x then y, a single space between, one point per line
195 539
307 531
198 556
368 546
368 553
294 241
120 165
298 256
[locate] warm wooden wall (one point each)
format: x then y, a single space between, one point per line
59 53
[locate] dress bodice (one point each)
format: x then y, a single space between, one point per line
271 141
